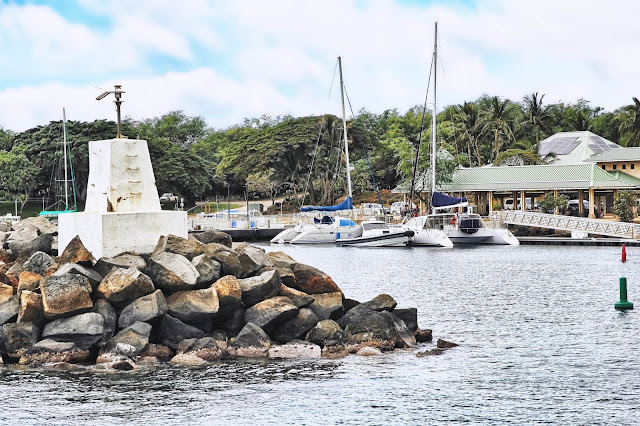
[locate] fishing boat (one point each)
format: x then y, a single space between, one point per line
376 233
326 229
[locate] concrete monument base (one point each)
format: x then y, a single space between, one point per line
112 233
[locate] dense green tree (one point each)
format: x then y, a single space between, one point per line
498 120
536 115
18 175
630 123
518 157
623 206
176 127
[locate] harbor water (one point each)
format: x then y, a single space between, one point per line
540 342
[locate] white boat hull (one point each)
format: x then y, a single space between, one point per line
425 236
322 235
396 239
287 235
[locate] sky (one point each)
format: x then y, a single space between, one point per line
229 60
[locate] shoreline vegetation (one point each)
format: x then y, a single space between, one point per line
274 156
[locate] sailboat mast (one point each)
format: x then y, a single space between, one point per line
64 147
344 129
433 118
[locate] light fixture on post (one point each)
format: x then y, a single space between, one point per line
118 94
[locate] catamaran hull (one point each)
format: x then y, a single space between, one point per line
286 236
396 239
322 236
430 238
483 236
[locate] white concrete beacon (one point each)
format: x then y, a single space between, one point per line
122 211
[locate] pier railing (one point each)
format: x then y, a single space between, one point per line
571 223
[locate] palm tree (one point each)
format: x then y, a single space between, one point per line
466 119
630 122
498 120
537 116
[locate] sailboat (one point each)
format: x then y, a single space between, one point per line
455 215
327 229
61 182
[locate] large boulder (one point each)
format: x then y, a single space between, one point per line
75 268
297 297
312 280
144 309
371 326
13 274
84 330
327 305
218 237
404 337
409 316
178 245
229 262
229 293
234 323
23 234
110 318
171 331
382 302
296 327
65 295
324 332
282 260
123 260
206 348
271 312
172 272
76 252
155 352
38 263
28 281
252 341
6 291
122 286
24 248
19 338
295 349
252 258
136 335
31 309
40 223
9 310
193 306
209 270
48 351
261 287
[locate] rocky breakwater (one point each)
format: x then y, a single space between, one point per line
191 301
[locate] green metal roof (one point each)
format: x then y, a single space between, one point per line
620 154
626 178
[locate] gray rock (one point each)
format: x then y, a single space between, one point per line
218 237
161 353
252 258
171 331
23 233
409 317
234 323
31 309
423 336
65 295
206 348
25 248
209 270
325 331
122 286
282 260
124 261
327 305
382 302
287 276
444 344
297 297
370 326
369 351
193 306
136 335
251 342
19 338
49 351
84 330
38 263
110 318
404 337
115 361
76 252
312 280
144 309
229 293
74 268
9 310
271 312
261 287
296 327
172 272
188 359
230 263
178 245
295 349
41 224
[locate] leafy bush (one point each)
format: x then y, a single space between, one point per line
623 206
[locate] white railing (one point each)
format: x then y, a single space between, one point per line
571 223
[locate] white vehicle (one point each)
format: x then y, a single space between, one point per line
508 204
168 197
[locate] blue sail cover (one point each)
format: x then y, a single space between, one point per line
345 205
441 200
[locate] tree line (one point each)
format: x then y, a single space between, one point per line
304 156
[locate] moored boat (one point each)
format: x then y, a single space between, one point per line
376 233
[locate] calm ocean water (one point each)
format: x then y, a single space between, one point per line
540 343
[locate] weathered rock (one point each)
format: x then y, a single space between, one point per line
230 263
404 338
19 338
349 304
178 245
65 295
209 270
6 291
13 274
206 348
211 248
42 225
25 248
193 306
188 359
84 330
252 258
172 272
287 276
110 318
145 308
171 331
409 317
38 263
295 349
5 227
261 287
297 297
229 296
3 238
435 351
327 305
296 327
369 351
443 344
31 309
271 312
161 353
334 352
252 341
28 281
122 286
282 260
76 252
325 331
371 325
74 268
217 237
382 302
234 323
23 233
115 361
9 310
313 281
50 351
136 335
124 261
423 335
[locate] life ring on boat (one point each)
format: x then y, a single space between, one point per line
454 219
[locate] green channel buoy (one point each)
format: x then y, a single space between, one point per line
623 304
